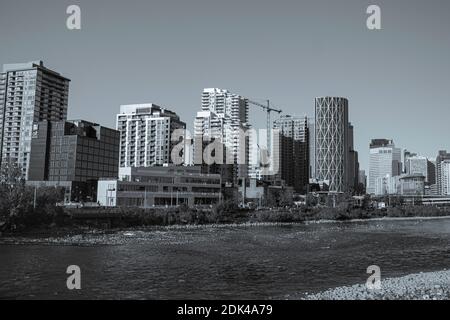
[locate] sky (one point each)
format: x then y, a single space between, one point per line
397 79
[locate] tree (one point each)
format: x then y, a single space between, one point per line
11 173
311 200
15 198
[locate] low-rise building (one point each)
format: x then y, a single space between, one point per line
160 186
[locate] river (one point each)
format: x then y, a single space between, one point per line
257 262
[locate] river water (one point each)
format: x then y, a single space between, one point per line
265 262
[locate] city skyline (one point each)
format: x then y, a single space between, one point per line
145 110
404 74
225 150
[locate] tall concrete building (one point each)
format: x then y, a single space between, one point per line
223 119
441 162
29 93
312 148
256 157
294 151
146 135
384 162
362 180
419 165
385 185
333 144
406 154
293 127
445 178
353 162
431 178
353 171
411 185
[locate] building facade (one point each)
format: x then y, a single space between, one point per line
441 163
352 163
312 148
160 187
362 180
385 160
224 120
412 185
431 171
406 154
386 185
29 93
294 151
445 177
418 165
333 143
146 132
74 155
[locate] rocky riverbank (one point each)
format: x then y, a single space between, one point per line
421 286
91 237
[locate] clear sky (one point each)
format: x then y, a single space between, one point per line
397 79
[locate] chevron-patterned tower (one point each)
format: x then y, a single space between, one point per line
332 142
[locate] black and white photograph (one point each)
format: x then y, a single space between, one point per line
249 152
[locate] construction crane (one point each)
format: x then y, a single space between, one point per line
268 109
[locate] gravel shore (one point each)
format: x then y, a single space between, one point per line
421 286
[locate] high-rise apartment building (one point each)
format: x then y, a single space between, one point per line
293 127
255 170
223 119
333 144
294 151
146 135
441 163
29 93
384 161
445 178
